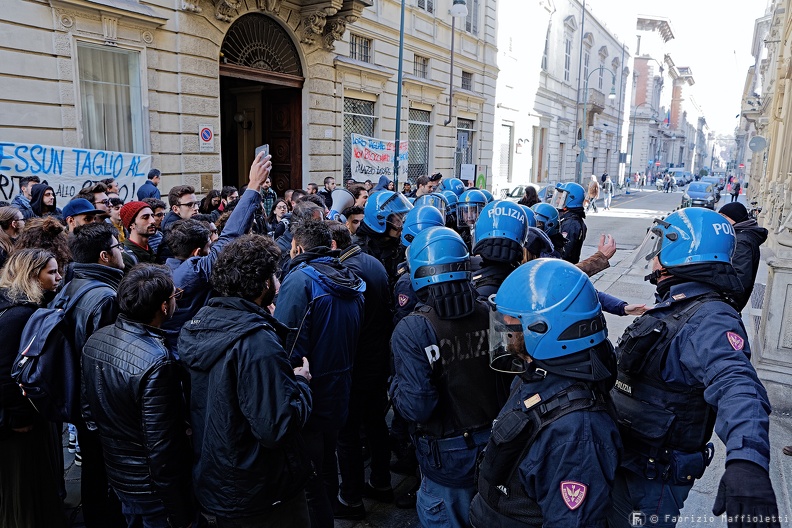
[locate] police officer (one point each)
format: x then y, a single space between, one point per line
684 371
379 234
471 202
455 185
568 199
500 235
418 219
547 221
442 383
552 457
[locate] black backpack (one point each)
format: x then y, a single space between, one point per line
47 367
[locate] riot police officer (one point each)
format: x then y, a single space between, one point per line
554 449
684 371
500 235
380 231
568 199
442 383
547 221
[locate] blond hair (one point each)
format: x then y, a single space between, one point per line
7 215
20 275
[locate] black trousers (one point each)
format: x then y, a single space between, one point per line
101 507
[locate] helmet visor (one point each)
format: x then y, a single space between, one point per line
652 245
468 214
506 344
559 198
397 203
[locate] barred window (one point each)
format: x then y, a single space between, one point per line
567 58
467 81
464 148
426 5
358 119
421 67
419 125
359 48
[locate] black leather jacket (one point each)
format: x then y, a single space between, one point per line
132 387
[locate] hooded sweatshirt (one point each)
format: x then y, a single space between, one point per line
323 301
37 201
746 257
382 185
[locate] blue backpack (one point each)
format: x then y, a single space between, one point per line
47 367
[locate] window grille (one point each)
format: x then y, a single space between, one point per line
419 124
358 119
467 81
421 67
359 48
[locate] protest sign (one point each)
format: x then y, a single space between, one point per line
69 169
372 158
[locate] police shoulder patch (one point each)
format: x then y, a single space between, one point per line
573 493
403 300
736 341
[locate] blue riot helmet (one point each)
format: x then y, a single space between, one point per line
411 199
471 202
694 243
538 244
530 217
547 310
490 197
451 202
380 206
420 218
546 218
500 232
568 195
437 255
342 199
436 200
454 185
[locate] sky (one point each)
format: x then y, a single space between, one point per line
712 37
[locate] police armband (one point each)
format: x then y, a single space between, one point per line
640 337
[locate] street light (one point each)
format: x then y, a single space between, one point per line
582 144
632 142
459 9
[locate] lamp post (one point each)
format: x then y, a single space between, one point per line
632 141
458 9
582 144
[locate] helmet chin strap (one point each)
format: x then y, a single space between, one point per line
654 276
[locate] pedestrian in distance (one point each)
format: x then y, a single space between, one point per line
593 194
735 191
684 371
607 193
554 449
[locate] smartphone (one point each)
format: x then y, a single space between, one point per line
265 148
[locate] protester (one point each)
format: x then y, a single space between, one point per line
96 194
368 392
12 221
98 267
326 193
228 195
354 216
210 203
183 204
159 207
46 233
43 201
248 405
424 186
79 212
115 218
133 397
149 189
324 301
607 192
268 197
279 210
30 446
139 219
22 200
360 194
530 197
312 188
747 253
593 194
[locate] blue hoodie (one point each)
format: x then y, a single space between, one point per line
323 301
382 185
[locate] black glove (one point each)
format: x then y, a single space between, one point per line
746 495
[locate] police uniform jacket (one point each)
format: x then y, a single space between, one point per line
574 230
711 353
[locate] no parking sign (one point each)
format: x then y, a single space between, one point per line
205 138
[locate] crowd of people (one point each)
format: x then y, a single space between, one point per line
238 355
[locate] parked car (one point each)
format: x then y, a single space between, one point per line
545 193
700 194
683 177
715 182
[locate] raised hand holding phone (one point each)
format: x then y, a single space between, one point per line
259 171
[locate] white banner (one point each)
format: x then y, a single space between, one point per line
69 169
372 158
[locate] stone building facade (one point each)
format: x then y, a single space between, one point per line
144 76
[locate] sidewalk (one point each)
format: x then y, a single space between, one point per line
629 285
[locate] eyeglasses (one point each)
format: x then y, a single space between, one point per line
118 245
19 219
106 201
193 205
177 294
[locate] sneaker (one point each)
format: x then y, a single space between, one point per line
345 511
72 447
379 495
78 459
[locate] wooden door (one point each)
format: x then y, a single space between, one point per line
282 125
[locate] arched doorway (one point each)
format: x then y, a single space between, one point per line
261 80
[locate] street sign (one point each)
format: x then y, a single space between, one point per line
582 157
205 138
657 163
741 165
